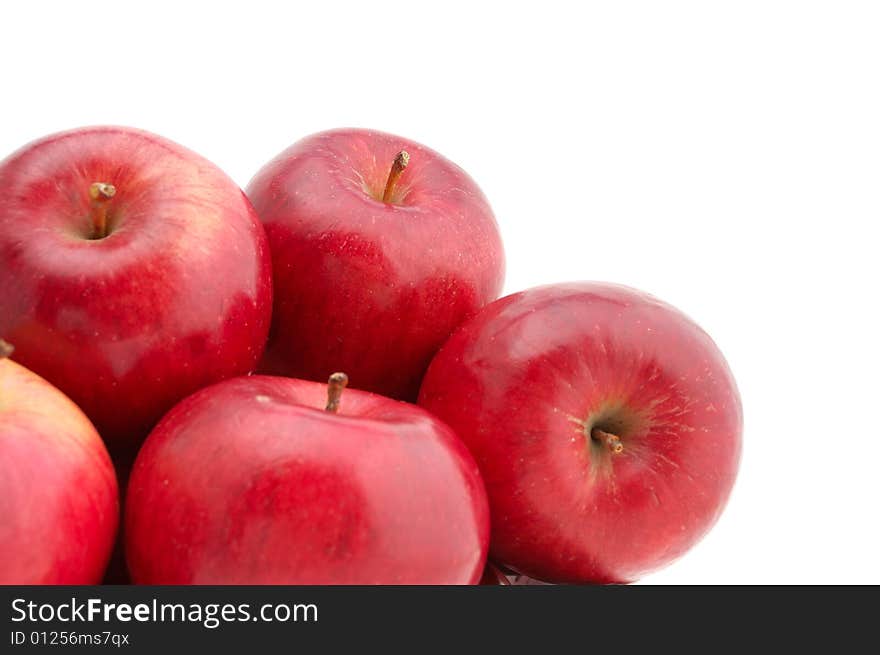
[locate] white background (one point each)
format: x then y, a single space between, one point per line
724 156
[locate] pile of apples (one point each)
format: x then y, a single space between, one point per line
176 352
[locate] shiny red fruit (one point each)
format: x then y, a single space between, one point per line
387 255
59 505
252 481
133 273
606 424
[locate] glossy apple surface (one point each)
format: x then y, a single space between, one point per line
252 481
390 279
606 424
58 498
173 293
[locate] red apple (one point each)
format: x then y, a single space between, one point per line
379 241
606 425
59 506
253 481
133 273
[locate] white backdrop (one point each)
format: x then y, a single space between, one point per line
723 156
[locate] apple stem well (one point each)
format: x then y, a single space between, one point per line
611 441
397 167
100 193
6 349
335 385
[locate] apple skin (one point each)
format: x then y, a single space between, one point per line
390 280
176 297
525 384
58 497
250 481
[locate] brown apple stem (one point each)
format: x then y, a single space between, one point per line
335 385
611 441
397 168
100 193
6 349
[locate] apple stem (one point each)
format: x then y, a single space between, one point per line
6 349
400 163
335 385
100 193
611 441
